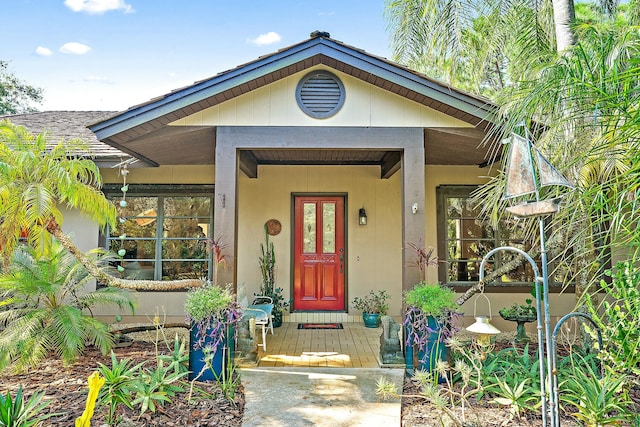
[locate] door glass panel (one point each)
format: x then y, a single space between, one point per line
309 227
329 228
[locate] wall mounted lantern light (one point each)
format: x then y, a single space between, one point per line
362 216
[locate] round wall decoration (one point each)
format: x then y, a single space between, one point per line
273 227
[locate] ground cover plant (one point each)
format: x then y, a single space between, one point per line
504 391
145 385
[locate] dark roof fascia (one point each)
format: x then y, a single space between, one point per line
477 107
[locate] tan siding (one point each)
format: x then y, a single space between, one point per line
377 245
374 251
275 105
163 175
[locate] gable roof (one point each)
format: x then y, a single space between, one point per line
155 114
68 125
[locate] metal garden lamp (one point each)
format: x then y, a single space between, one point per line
482 327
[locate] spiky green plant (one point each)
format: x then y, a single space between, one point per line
45 308
21 412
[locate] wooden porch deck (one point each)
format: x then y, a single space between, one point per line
355 346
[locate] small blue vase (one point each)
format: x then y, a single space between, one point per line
371 320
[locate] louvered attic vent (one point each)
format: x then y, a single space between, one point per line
320 94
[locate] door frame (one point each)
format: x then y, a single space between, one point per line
344 195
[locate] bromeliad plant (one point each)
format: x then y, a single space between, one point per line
18 412
119 385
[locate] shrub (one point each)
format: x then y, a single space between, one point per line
46 308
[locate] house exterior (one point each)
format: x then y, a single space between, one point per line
304 143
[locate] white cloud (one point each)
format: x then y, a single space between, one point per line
75 48
43 51
98 7
264 39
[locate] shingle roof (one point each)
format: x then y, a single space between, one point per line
68 125
155 114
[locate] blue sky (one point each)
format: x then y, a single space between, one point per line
113 54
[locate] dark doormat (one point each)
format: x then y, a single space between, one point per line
320 326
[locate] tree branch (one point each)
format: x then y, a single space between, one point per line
138 285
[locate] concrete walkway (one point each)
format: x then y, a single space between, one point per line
332 397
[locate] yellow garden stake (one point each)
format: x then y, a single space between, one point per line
95 383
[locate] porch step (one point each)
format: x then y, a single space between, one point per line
308 317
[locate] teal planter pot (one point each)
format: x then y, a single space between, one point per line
220 357
277 319
371 320
426 358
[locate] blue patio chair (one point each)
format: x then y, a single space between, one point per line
261 311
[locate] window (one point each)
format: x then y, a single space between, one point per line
464 238
164 236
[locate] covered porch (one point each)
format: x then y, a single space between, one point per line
354 346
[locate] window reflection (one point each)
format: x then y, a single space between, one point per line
166 237
468 238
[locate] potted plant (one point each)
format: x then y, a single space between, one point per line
267 262
429 320
521 314
373 306
213 313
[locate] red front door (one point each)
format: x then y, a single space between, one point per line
319 255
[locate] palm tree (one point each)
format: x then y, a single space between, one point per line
480 46
44 308
591 94
583 89
37 178
484 46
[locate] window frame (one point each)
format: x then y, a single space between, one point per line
444 192
161 191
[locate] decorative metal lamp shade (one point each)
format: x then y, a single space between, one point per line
484 329
362 217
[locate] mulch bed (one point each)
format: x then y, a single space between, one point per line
417 412
66 387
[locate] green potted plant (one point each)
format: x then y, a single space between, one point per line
267 263
373 306
213 313
429 319
521 314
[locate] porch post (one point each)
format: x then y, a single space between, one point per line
224 213
413 194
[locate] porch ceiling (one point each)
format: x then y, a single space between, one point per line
195 145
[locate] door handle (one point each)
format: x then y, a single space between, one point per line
341 258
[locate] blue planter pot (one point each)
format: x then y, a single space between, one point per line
426 358
197 357
371 320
